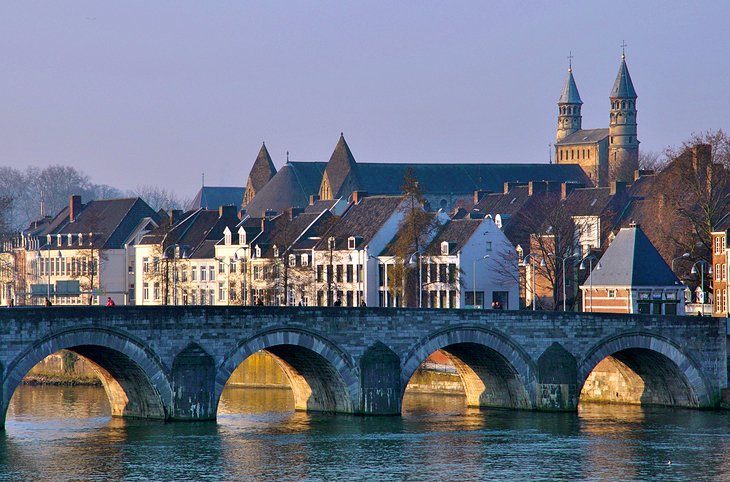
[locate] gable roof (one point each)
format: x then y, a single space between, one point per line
584 136
456 232
290 187
631 260
363 219
212 197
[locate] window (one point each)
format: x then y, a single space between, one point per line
452 273
194 273
474 298
257 272
156 291
221 266
221 292
145 264
488 246
351 242
211 273
611 293
203 274
156 264
381 275
258 251
349 273
320 275
292 260
444 248
331 243
442 272
146 291
304 260
184 272
276 251
339 272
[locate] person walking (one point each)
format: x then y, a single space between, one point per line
110 301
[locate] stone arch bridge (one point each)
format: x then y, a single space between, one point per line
172 363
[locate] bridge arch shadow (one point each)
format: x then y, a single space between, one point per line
322 377
135 381
640 368
493 369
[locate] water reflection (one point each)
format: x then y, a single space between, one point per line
259 436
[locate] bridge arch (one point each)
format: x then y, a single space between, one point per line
322 376
494 369
660 370
134 378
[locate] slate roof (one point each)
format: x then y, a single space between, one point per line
456 232
290 187
593 201
320 205
284 232
570 93
111 220
584 136
623 88
388 249
362 219
453 178
723 224
262 171
198 231
631 260
212 197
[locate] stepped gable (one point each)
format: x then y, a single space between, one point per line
290 187
631 260
262 171
341 176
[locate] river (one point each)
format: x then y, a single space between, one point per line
66 433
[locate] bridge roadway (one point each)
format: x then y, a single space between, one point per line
172 363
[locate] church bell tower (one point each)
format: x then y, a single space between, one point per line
623 145
569 104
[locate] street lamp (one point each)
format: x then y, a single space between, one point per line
474 281
411 262
563 259
531 257
702 264
590 259
175 247
685 255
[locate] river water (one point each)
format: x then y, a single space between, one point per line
66 433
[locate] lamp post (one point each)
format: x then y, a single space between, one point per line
411 261
175 247
685 255
531 257
703 263
590 259
563 260
474 281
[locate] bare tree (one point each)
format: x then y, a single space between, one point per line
652 161
158 197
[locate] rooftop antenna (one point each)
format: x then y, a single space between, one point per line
623 49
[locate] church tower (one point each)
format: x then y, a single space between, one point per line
569 118
623 155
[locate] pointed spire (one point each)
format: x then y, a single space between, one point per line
623 88
262 171
341 168
570 93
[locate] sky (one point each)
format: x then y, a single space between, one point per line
145 92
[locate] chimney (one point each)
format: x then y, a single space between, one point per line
566 188
269 213
264 224
617 187
227 211
508 186
174 215
536 187
292 213
701 157
478 195
358 196
74 207
313 198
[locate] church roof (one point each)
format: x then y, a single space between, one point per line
584 136
340 166
212 197
570 93
631 260
263 169
623 88
290 187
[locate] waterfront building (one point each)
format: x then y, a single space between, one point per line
632 277
83 255
721 264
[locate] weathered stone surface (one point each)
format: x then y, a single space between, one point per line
359 360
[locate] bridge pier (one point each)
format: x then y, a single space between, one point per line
193 385
557 380
380 392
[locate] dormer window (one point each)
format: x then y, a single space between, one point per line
488 246
258 251
69 239
241 236
445 248
227 236
351 242
276 251
292 260
58 240
331 243
48 239
81 239
305 260
498 221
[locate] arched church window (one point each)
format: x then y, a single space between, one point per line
623 104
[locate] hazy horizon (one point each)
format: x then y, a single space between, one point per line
130 93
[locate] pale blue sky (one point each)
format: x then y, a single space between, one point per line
153 92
